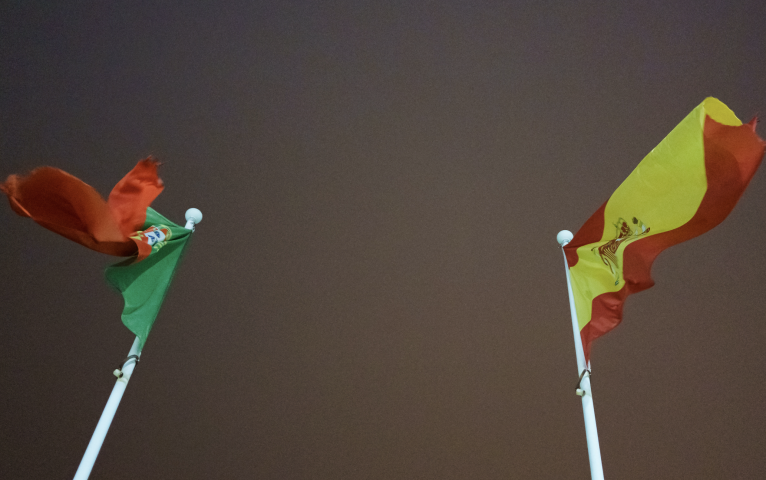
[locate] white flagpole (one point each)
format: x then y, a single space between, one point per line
193 216
583 371
124 374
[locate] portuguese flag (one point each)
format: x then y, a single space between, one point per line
124 226
687 185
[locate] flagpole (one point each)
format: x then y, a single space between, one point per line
583 371
123 374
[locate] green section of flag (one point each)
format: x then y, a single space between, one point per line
144 284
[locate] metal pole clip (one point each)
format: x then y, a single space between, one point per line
118 371
579 391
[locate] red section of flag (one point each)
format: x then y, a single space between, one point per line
68 206
133 194
606 314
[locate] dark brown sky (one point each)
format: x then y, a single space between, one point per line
376 291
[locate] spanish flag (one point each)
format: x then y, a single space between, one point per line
687 185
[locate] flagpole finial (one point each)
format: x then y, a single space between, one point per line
564 237
193 217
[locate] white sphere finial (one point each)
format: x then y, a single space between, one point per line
193 217
564 237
